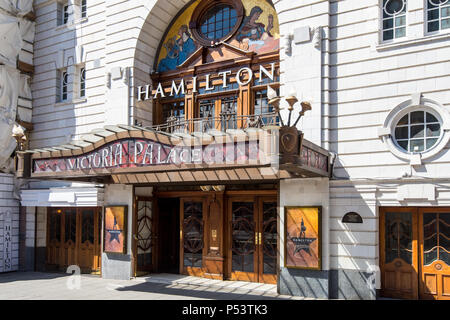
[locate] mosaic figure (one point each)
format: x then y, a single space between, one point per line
254 34
178 50
185 44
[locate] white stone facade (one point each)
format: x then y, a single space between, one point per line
9 216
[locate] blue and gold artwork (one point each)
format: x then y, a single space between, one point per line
178 49
258 32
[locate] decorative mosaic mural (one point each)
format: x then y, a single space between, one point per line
258 32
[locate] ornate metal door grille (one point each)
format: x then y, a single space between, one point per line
398 237
269 237
144 234
243 237
193 234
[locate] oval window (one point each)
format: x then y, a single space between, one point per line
218 22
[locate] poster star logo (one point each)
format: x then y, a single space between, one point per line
301 242
114 232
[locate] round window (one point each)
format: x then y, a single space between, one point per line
218 22
393 7
214 21
417 131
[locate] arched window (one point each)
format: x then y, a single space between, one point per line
438 15
394 19
213 66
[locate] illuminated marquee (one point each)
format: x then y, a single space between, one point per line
129 153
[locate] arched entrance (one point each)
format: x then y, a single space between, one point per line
210 75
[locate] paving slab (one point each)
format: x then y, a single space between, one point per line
56 286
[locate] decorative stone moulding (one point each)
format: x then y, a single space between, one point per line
287 44
416 103
317 37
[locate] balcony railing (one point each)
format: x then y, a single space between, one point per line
223 123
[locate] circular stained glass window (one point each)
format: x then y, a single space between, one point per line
218 22
393 7
417 131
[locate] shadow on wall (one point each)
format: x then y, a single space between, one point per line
304 283
61 123
324 284
352 285
353 254
360 243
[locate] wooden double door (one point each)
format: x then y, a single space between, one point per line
252 238
156 246
169 234
208 234
73 238
415 253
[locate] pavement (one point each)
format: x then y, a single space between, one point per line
60 286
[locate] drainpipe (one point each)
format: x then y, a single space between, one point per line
326 79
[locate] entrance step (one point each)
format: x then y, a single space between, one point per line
168 278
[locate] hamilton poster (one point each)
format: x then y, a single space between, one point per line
115 229
303 237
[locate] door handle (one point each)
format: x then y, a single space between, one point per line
257 238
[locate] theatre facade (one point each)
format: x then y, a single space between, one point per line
241 140
198 191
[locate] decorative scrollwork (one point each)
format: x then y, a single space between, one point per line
243 237
144 234
393 7
254 121
193 234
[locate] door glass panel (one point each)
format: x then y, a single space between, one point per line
55 226
144 232
87 226
430 249
193 234
444 237
269 237
398 237
70 225
243 237
99 228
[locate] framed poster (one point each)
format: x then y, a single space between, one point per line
303 241
115 229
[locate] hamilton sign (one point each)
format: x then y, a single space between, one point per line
242 77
